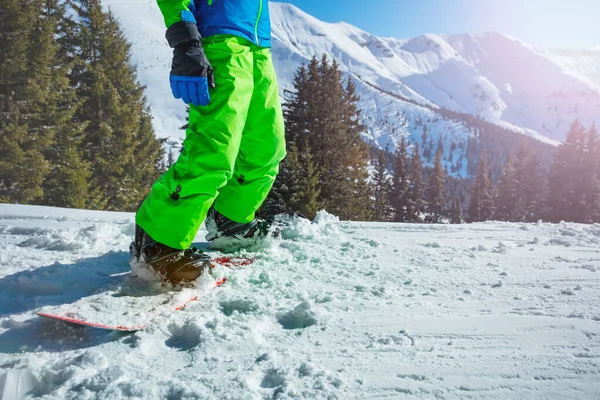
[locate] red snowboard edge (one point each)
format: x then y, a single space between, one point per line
92 324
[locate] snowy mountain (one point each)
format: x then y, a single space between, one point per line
328 310
497 78
489 75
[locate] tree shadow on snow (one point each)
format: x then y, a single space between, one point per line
43 334
58 284
61 283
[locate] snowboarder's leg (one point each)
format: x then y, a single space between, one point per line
262 147
180 199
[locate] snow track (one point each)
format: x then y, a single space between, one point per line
330 310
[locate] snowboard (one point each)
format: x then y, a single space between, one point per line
132 304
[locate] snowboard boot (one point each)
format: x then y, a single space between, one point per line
225 233
172 265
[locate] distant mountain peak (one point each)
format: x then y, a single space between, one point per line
404 84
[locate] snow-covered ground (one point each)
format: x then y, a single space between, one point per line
330 310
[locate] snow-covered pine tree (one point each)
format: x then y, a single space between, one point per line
481 205
436 190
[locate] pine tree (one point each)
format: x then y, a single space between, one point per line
567 188
518 196
436 190
400 184
23 135
288 186
427 144
440 146
296 188
481 205
382 209
592 176
456 215
67 183
415 205
119 142
307 201
324 112
170 157
529 184
507 196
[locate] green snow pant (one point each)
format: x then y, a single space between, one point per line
232 147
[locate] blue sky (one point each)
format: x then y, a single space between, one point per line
548 23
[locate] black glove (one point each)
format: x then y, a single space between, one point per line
191 72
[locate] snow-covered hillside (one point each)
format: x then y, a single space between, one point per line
489 75
329 310
498 78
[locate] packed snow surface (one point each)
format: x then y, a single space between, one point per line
329 310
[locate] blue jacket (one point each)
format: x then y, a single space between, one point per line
246 18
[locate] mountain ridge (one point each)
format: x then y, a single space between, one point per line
491 76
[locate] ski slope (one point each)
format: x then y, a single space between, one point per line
330 310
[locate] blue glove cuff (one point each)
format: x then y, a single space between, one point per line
191 89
